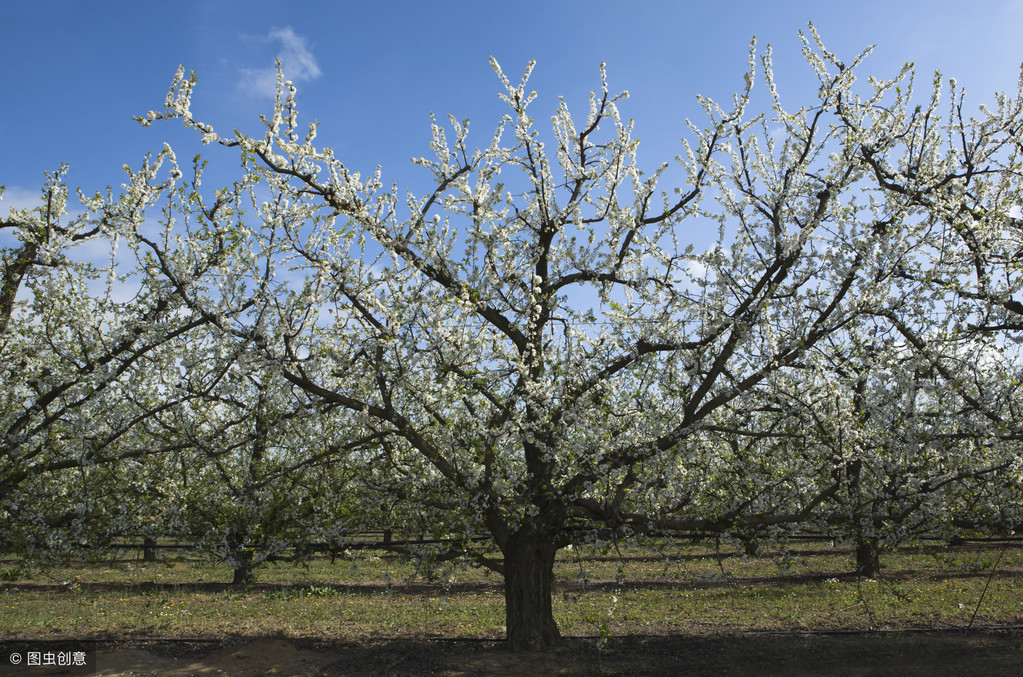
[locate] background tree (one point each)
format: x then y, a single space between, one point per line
897 437
77 355
954 182
253 489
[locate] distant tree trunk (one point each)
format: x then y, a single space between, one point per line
528 574
243 570
868 557
149 549
242 576
751 545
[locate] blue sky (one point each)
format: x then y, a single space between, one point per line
74 72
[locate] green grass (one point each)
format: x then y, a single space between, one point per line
680 589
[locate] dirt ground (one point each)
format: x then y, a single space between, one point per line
930 654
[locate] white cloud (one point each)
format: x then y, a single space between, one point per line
16 197
296 59
296 54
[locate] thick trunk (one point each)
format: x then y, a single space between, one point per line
868 557
528 573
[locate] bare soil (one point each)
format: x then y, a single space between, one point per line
988 653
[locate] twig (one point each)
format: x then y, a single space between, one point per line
863 601
988 583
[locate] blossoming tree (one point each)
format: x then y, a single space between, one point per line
78 361
536 339
271 485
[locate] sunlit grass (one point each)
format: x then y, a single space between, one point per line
679 589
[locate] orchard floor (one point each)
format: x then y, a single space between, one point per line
990 653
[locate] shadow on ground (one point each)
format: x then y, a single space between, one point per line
987 653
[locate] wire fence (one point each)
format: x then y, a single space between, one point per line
396 541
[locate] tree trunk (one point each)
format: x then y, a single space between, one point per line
243 570
242 576
149 549
751 546
528 573
868 557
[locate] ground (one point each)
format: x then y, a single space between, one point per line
990 653
687 609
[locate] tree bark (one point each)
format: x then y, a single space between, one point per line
242 576
528 574
13 274
149 549
243 570
868 557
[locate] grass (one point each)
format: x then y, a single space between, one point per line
680 589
